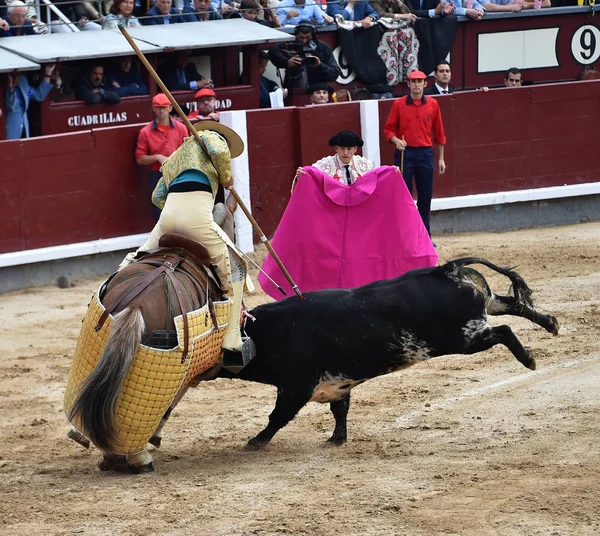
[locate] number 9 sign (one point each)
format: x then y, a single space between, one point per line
585 44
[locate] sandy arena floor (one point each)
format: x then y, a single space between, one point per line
458 445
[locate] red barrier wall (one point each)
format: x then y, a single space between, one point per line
83 186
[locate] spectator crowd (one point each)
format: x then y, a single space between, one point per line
308 62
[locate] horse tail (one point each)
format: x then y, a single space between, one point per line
96 402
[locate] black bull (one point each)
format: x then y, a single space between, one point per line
319 348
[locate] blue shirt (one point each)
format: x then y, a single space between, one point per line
460 10
309 11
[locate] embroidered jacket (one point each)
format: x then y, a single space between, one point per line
333 166
214 162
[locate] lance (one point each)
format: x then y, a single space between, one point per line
193 131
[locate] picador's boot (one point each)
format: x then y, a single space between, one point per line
237 353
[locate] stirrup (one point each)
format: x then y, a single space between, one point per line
234 361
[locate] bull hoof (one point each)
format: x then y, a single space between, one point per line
532 365
141 469
155 440
253 445
336 441
555 326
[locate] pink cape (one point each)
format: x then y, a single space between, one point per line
332 235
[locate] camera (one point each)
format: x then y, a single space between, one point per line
305 52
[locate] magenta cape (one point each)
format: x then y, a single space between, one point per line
332 235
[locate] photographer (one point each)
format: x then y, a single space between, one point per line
306 60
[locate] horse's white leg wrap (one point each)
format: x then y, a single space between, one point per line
140 459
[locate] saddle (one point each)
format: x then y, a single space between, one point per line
175 253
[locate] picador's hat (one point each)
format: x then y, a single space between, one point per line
346 138
236 144
320 86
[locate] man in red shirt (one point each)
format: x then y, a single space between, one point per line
410 125
206 102
158 140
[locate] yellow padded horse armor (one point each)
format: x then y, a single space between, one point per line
155 376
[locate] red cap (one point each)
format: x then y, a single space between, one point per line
417 75
160 99
204 92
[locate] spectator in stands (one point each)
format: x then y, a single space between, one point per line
513 77
200 11
291 12
442 76
18 94
121 12
266 84
125 79
319 93
429 8
39 27
393 9
158 140
355 10
495 6
15 23
306 60
90 87
178 73
268 14
206 103
249 10
77 13
476 12
162 12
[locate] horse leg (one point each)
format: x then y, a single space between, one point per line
156 438
78 437
141 462
114 462
287 405
339 408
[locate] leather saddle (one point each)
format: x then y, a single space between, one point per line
176 253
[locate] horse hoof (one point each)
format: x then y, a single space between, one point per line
155 440
336 441
115 462
142 469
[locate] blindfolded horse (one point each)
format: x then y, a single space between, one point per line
148 355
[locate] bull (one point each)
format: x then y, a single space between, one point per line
320 348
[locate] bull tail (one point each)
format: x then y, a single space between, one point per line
97 399
521 291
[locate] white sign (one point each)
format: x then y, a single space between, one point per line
585 44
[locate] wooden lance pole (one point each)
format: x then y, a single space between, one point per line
193 131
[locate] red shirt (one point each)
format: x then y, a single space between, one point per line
415 120
153 140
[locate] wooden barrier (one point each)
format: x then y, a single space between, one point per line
83 186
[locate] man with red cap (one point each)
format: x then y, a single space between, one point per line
158 140
414 122
206 102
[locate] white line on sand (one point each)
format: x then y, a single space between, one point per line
408 418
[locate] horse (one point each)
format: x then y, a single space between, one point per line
145 298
